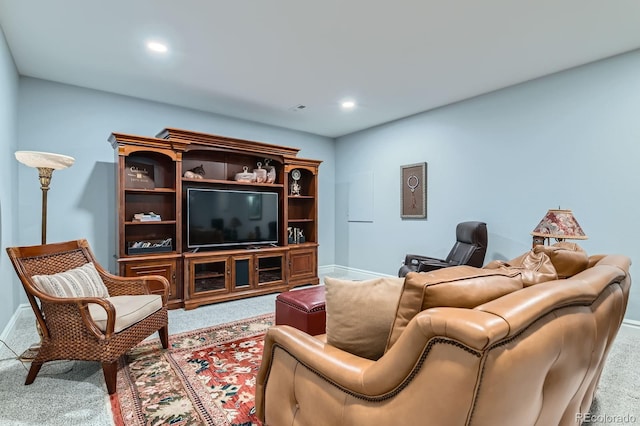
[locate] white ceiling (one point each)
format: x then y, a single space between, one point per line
256 59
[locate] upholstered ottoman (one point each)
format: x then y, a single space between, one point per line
302 309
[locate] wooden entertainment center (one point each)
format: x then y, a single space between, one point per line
150 174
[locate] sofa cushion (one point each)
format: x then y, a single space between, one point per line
568 258
129 310
360 313
83 281
458 286
535 268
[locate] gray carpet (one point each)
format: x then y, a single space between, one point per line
617 399
68 393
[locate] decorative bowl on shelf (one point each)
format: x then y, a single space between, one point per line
245 176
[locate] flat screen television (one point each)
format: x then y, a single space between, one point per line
223 217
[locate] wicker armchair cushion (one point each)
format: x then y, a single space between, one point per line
129 310
83 281
360 314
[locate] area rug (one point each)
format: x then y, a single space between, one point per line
206 377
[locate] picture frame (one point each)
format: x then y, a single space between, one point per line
413 191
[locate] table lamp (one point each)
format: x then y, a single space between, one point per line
558 224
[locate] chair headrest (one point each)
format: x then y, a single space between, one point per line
472 233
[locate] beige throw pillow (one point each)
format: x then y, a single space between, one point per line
360 314
568 258
535 268
83 281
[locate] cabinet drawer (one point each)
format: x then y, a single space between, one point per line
163 267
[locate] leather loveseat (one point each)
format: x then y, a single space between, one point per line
507 344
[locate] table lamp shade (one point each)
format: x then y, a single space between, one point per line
559 224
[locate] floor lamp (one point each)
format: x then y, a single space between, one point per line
46 163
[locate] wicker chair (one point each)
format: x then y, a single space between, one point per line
89 328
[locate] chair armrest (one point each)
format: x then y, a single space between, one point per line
416 259
124 286
318 355
90 323
157 284
56 313
374 378
412 263
433 264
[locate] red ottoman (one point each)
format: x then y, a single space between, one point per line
302 309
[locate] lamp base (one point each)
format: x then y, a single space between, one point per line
538 241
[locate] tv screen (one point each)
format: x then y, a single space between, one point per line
217 217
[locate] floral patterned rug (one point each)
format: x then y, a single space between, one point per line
207 377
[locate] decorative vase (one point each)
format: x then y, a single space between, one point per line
271 171
261 174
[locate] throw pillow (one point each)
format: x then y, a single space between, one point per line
360 314
534 268
83 281
568 258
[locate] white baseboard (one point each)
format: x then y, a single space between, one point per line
338 271
631 323
12 322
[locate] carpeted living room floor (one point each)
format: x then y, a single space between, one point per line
68 393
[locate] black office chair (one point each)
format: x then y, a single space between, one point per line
469 249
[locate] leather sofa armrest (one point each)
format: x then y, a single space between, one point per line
375 378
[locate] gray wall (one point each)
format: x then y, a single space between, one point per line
11 291
570 140
77 122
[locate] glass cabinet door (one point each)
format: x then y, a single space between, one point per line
270 269
209 275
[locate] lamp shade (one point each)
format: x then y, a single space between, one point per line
44 159
559 224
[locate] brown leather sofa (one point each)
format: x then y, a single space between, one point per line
521 347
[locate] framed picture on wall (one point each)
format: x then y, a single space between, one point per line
413 191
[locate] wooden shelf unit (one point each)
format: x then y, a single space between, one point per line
221 274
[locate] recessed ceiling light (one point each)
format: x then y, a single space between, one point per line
155 46
348 104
